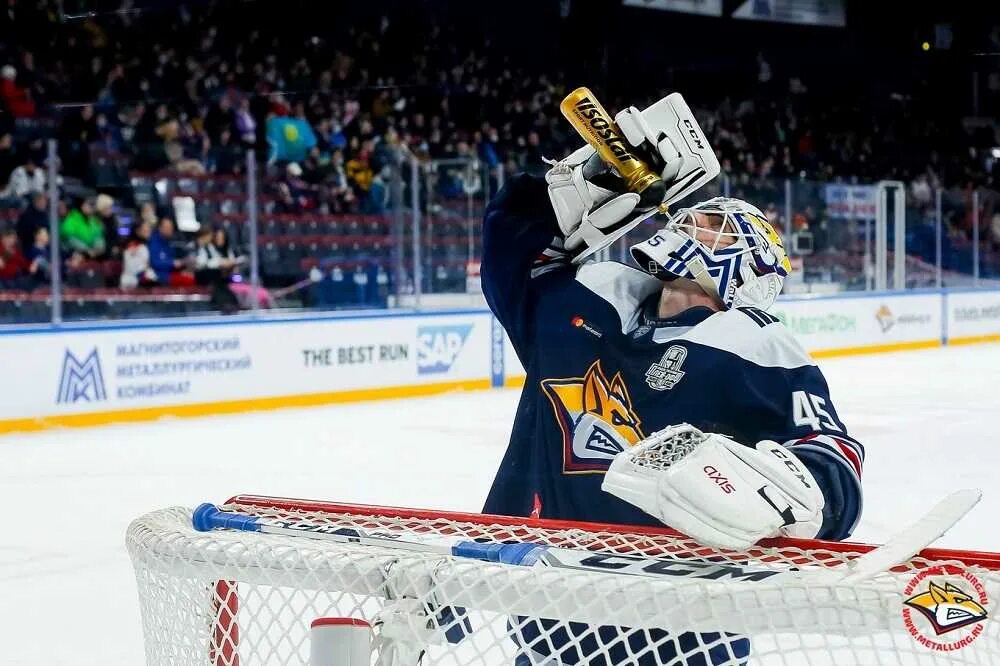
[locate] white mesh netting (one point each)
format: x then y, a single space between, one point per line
228 598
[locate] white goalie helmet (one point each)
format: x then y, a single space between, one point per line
740 261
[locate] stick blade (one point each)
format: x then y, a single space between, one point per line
916 537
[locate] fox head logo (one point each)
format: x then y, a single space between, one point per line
947 607
596 418
610 403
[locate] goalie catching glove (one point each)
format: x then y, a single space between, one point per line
717 491
592 205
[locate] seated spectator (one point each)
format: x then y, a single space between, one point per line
286 202
221 242
359 170
8 155
26 178
181 162
108 135
225 156
155 132
82 233
342 196
17 99
77 131
13 266
32 218
136 269
38 256
220 118
246 124
147 213
377 197
210 266
169 269
109 221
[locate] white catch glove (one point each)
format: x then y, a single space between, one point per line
592 215
717 491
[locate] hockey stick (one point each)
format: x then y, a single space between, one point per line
899 548
911 540
208 517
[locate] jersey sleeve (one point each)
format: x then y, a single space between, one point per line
787 397
521 245
815 433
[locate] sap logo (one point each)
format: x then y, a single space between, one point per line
439 346
81 380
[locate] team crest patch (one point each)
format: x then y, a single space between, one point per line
952 605
595 416
665 373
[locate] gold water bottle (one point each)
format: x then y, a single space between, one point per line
593 123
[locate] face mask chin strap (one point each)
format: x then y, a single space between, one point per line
700 275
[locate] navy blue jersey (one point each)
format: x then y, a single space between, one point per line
603 372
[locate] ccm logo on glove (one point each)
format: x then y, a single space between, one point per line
792 467
722 481
694 134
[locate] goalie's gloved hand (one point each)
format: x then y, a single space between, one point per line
591 203
717 491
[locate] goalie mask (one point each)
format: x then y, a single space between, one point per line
734 255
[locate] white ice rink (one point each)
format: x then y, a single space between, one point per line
928 420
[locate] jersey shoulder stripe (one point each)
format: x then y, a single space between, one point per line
752 336
622 287
761 318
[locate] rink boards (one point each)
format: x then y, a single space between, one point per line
78 375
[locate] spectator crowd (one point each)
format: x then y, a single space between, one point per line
148 254
329 109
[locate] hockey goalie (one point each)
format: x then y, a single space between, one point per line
619 356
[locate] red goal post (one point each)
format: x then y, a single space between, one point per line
236 598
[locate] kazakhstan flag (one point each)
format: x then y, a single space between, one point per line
290 138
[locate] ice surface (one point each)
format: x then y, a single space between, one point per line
67 594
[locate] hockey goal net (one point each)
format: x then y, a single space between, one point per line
228 598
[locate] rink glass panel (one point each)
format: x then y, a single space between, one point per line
415 241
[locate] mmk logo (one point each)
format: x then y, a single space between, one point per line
439 346
81 380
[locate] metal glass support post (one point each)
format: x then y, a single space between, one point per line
396 197
415 206
881 238
897 190
938 241
868 269
252 221
899 239
975 238
55 258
